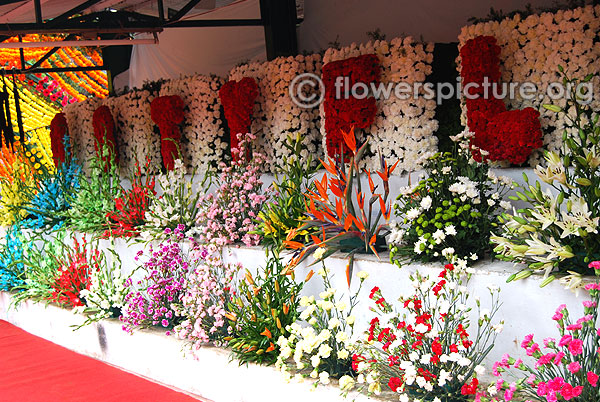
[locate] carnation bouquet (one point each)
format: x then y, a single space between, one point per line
321 350
425 351
203 307
566 368
456 206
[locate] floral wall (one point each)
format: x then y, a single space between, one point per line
402 129
532 50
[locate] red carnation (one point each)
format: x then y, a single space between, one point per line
238 99
167 112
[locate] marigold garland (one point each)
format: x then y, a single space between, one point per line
167 112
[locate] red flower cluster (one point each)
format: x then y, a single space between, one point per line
505 135
343 113
104 132
131 206
58 130
470 389
167 112
75 274
237 99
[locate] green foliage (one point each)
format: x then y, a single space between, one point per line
286 208
265 306
96 196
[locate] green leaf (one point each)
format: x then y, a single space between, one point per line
552 108
547 280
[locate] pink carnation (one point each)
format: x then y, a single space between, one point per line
594 264
573 367
565 340
592 378
576 347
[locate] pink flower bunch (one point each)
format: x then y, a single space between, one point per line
564 370
204 306
228 215
151 301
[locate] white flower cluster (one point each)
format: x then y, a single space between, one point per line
403 129
106 294
533 48
202 142
275 115
81 130
134 129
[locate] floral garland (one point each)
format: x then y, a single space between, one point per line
503 135
275 115
58 130
344 114
403 128
167 113
237 98
202 132
104 133
531 50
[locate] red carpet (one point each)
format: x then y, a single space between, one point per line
36 370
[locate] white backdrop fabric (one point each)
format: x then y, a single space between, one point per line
185 51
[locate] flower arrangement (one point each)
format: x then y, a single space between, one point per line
58 133
342 219
237 99
227 215
203 309
96 196
504 135
286 207
74 272
51 197
346 113
402 128
203 144
561 38
275 115
167 113
564 369
104 133
321 350
131 206
457 206
425 351
263 308
177 205
41 258
558 228
12 271
16 173
151 300
106 293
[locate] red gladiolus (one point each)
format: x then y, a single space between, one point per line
168 113
58 129
131 206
